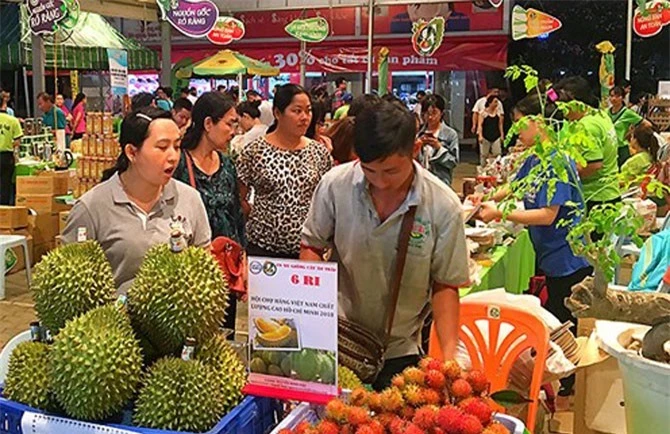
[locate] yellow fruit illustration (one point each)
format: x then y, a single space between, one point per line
283 336
266 326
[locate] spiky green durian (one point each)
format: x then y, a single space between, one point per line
28 379
229 370
347 379
178 295
70 281
96 364
179 395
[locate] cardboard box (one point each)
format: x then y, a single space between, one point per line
41 203
44 227
53 183
20 263
13 217
62 221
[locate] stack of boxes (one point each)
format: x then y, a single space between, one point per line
14 221
39 194
99 149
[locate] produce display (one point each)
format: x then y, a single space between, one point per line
434 398
69 282
347 379
307 364
108 358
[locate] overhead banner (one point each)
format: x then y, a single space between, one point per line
531 23
118 71
650 21
193 18
48 16
226 30
309 30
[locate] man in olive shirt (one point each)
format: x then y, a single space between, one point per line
358 209
10 138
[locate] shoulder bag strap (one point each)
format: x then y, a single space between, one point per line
403 245
189 166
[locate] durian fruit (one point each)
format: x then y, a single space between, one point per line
70 281
96 364
28 379
179 395
178 295
229 370
347 379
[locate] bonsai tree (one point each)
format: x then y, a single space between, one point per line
566 142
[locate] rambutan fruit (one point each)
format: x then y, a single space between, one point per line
470 425
451 369
437 430
479 409
431 397
413 395
386 418
478 381
435 379
336 410
391 400
365 429
461 389
398 381
377 427
285 431
414 376
359 397
397 426
328 427
425 417
407 412
302 427
375 402
347 429
413 429
358 416
448 418
429 363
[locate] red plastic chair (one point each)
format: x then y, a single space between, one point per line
496 361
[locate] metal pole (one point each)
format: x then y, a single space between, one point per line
303 62
38 70
239 87
166 54
371 28
629 39
25 91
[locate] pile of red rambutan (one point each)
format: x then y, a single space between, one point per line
434 398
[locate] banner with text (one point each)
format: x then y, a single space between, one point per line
292 329
118 71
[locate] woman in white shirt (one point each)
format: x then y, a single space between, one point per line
250 122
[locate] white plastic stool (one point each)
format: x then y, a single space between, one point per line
8 242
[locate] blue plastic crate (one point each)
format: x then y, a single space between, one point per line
252 416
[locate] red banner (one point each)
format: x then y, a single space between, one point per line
455 54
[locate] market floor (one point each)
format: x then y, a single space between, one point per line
17 312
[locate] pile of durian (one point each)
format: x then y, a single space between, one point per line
108 357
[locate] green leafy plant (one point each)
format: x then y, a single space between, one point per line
559 152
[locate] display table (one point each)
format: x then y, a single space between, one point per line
509 267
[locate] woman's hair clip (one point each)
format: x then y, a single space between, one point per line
552 95
143 116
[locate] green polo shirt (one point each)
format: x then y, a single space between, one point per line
126 233
638 164
48 119
603 185
343 216
623 120
10 130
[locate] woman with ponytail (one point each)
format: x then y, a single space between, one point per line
139 204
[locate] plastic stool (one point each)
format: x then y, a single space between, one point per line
7 242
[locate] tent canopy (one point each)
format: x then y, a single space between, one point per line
85 48
228 62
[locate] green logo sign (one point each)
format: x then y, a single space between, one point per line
309 30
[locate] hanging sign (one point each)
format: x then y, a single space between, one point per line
47 15
427 36
74 82
226 30
650 21
606 71
309 30
193 18
118 71
292 329
531 23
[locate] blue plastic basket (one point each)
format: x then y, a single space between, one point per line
252 416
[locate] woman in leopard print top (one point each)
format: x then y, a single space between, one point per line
283 168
